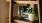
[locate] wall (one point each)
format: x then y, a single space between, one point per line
4 10
15 8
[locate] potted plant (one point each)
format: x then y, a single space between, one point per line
31 14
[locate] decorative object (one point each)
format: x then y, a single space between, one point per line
31 14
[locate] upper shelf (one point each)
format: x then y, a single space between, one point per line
26 2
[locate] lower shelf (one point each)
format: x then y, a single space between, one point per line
19 21
22 21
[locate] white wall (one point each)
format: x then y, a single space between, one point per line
4 10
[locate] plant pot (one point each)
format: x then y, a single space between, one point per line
30 16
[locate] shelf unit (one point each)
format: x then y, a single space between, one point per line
22 2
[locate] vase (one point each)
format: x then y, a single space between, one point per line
30 16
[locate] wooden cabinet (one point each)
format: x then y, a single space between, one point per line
16 9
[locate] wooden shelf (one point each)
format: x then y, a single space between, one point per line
26 2
22 21
18 21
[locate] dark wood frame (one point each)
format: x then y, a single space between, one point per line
40 3
12 2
